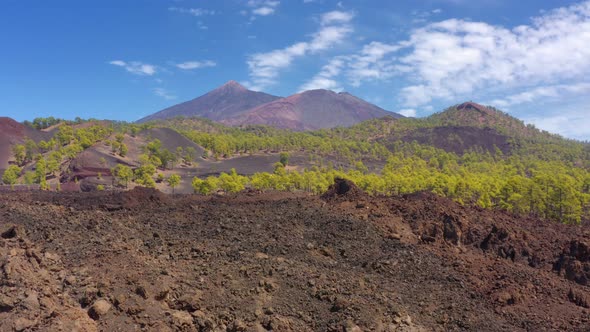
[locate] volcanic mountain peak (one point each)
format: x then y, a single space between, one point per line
225 101
470 114
473 106
231 86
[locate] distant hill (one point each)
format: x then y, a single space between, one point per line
310 110
470 114
227 100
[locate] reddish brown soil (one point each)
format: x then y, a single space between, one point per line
142 260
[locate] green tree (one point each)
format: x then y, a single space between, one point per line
119 138
167 158
41 169
53 164
284 158
44 146
232 182
19 152
72 150
65 134
359 166
205 187
144 175
43 185
11 175
30 177
123 149
153 147
173 181
114 146
262 181
30 149
279 168
190 154
197 184
122 174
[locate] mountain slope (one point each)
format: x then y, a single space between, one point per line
13 132
459 139
223 102
310 110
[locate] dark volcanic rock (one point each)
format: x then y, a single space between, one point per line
279 261
343 188
460 139
574 262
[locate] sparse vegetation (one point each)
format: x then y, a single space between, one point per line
539 174
11 175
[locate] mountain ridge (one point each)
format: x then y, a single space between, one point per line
234 105
311 110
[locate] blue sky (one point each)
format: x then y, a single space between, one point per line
123 60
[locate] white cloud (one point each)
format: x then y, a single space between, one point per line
258 3
568 122
263 11
424 16
324 79
192 11
161 92
265 67
262 7
118 63
135 67
320 82
408 112
196 64
454 58
544 93
328 36
336 16
370 63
